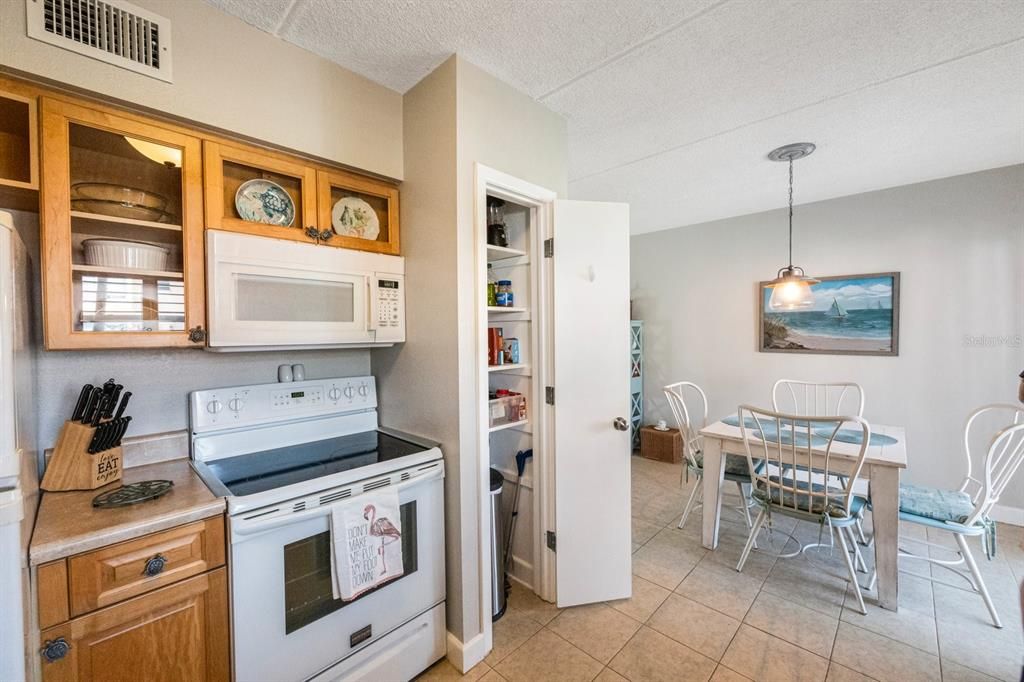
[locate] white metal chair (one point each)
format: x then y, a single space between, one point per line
786 443
964 511
808 398
830 399
736 469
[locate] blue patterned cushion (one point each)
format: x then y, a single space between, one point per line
832 505
935 503
734 464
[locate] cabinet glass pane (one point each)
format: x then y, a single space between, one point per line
15 141
357 214
236 174
126 234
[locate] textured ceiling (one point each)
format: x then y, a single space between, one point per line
673 104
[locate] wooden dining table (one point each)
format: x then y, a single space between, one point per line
882 466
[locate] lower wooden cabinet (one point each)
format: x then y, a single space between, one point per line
175 633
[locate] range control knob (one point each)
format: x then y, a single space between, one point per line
235 404
214 406
349 392
363 391
334 393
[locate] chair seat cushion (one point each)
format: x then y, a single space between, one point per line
735 465
935 503
800 501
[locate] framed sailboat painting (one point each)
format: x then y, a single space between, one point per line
850 315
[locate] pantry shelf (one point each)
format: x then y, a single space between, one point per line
127 272
493 310
500 253
521 367
510 425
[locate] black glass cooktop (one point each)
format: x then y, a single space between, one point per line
260 471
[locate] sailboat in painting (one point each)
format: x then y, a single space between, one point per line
836 310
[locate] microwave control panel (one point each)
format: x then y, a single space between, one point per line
389 307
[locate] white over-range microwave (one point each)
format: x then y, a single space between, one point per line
270 294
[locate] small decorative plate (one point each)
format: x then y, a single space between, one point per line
263 201
353 217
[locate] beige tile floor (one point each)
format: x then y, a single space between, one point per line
693 617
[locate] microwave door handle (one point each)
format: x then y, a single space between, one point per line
371 307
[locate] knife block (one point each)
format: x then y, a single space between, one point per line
71 467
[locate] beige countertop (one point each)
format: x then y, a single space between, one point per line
68 524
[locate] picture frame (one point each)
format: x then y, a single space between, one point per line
851 315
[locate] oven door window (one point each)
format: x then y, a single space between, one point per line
307 574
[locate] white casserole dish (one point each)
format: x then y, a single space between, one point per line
121 253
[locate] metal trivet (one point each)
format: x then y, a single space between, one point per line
132 494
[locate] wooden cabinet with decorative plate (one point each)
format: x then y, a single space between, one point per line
357 212
256 192
121 231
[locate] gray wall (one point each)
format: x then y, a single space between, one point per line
959 244
158 379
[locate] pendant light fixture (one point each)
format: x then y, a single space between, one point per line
791 288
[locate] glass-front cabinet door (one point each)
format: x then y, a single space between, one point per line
256 192
122 231
357 212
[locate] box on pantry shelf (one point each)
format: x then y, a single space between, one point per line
664 446
506 407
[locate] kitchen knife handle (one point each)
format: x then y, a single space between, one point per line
83 398
94 444
124 404
101 407
121 431
90 404
112 403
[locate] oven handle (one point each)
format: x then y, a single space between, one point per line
256 525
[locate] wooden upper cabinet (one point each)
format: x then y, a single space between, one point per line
357 212
19 162
322 206
264 210
122 231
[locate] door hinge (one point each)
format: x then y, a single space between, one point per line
549 247
549 395
551 540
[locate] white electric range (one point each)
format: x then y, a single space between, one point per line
281 454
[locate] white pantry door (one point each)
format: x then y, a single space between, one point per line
592 448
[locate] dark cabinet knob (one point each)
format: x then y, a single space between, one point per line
155 566
197 334
55 649
326 235
313 233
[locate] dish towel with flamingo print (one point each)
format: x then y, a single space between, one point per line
366 543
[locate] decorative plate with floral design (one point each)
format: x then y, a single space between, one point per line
263 201
353 217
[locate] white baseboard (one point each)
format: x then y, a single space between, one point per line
1006 514
465 656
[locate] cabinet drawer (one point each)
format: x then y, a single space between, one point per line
115 573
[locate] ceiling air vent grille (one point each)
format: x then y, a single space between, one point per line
111 31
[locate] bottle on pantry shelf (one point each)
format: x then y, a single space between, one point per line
492 287
504 293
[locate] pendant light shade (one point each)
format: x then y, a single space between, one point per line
791 288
